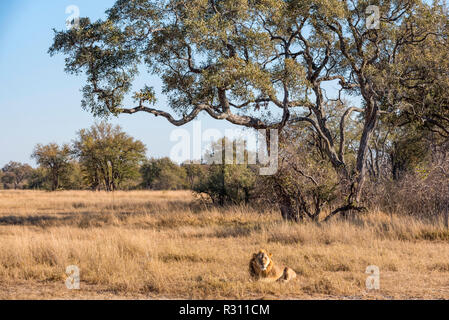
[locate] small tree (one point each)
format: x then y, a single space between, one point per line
108 156
227 183
15 174
163 174
54 158
194 173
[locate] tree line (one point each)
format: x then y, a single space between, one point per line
408 171
104 157
269 64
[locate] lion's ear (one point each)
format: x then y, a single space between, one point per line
254 255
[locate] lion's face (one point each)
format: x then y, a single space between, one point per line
263 259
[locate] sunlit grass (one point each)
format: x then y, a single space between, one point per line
171 245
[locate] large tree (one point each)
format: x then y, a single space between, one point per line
418 76
262 64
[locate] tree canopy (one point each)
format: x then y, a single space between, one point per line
163 174
268 64
54 158
15 173
108 156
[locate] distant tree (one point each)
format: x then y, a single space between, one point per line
163 174
14 174
74 179
226 183
71 179
39 179
108 156
194 173
54 158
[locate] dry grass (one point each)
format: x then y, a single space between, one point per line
168 245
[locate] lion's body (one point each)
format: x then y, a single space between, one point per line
263 268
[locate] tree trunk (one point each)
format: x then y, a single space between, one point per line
446 216
289 213
55 182
246 190
288 209
368 129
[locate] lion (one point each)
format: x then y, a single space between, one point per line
263 268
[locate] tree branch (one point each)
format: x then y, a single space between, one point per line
342 131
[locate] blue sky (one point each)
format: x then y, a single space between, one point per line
39 102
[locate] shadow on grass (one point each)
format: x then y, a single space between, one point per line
33 220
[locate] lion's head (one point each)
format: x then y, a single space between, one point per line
263 259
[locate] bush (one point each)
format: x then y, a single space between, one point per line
163 174
227 183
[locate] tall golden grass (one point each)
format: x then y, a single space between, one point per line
167 244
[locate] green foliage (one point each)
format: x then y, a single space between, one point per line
163 174
254 50
227 183
74 179
194 173
55 159
108 156
407 152
39 179
15 174
267 64
416 85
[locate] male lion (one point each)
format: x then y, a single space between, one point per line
263 268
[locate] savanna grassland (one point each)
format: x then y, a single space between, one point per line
169 244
